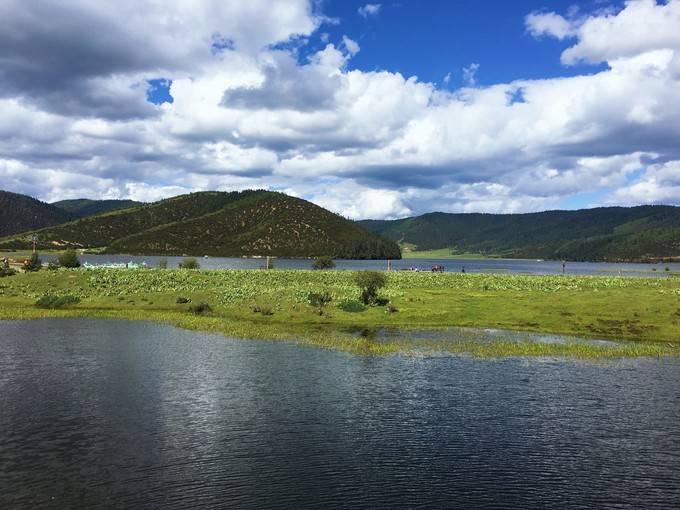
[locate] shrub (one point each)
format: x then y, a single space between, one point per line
162 263
369 282
319 299
52 266
182 300
33 264
7 271
68 258
352 306
189 263
53 301
323 263
200 308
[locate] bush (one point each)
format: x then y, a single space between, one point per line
319 299
52 266
189 263
264 309
352 306
52 301
200 308
323 263
5 270
33 264
182 300
68 258
369 282
162 264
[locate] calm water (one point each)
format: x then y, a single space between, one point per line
471 266
134 415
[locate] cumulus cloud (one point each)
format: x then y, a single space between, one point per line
251 112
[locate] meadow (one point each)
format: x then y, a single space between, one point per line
642 312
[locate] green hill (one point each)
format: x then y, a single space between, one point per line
81 207
219 224
642 233
19 213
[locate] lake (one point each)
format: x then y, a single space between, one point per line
108 413
454 265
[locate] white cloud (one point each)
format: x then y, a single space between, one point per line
470 74
351 45
659 184
364 143
369 10
549 24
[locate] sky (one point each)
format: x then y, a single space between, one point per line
372 110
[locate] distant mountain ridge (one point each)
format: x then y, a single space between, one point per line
81 207
252 222
19 213
642 233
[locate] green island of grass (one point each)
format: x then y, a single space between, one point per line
643 314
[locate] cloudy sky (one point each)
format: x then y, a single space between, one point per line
374 110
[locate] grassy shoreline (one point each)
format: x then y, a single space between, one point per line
644 311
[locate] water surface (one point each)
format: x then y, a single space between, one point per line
107 413
450 265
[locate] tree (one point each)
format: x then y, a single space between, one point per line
33 264
162 263
369 282
323 263
189 263
68 258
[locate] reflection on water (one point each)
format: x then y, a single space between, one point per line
135 415
390 334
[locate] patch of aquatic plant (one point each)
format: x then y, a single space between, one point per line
56 301
240 285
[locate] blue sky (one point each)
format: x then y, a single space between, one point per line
430 39
373 110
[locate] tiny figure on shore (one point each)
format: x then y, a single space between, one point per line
462 270
564 267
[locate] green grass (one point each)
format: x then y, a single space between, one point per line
409 251
646 311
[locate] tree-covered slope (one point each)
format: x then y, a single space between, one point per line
606 233
81 207
262 224
218 223
101 230
19 213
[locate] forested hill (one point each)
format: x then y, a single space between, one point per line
643 233
218 224
81 207
19 213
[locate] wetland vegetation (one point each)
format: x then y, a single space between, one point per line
643 313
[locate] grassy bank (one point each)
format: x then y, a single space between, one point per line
408 251
644 310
